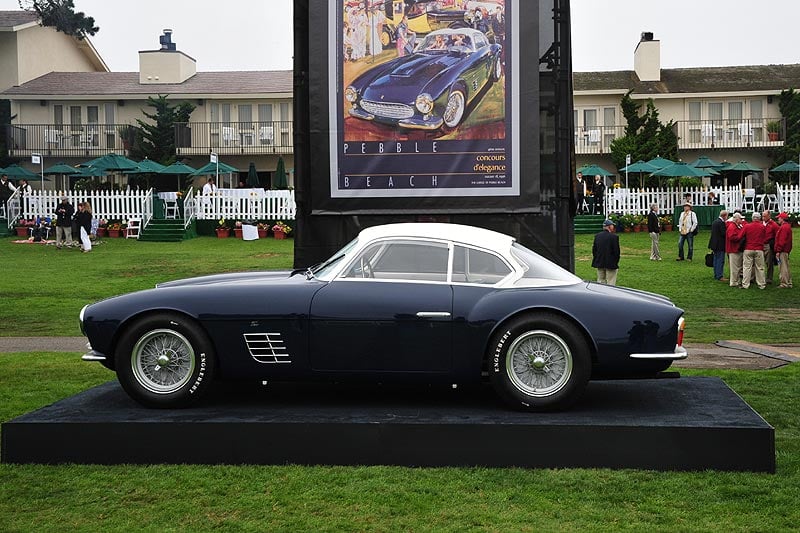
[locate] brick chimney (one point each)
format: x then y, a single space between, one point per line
647 58
166 65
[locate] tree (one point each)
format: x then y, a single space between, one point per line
61 15
789 106
645 136
155 139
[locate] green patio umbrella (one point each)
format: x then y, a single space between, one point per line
178 169
705 162
63 170
146 166
677 170
91 172
211 168
660 162
640 167
789 166
252 177
280 175
112 162
17 172
591 170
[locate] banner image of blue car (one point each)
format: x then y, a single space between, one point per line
422 99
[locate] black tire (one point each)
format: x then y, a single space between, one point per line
497 70
539 362
165 361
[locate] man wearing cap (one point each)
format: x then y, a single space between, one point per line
769 244
783 245
754 237
687 224
64 212
734 234
605 254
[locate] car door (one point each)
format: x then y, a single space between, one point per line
389 311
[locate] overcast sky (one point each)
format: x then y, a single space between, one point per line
256 34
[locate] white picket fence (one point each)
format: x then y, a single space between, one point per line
235 204
637 201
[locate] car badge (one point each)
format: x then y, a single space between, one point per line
381 97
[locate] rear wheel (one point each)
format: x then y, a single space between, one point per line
164 360
539 363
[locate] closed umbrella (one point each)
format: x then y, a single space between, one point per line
252 177
280 175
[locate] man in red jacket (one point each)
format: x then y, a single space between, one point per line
754 236
769 245
734 232
783 245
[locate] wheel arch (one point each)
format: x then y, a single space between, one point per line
538 311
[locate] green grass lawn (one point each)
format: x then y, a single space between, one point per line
46 288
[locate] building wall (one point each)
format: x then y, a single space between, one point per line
43 50
8 61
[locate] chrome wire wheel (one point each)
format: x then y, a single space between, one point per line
162 361
454 111
539 363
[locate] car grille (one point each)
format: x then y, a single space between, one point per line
267 347
380 109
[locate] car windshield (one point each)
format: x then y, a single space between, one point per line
446 42
323 270
537 268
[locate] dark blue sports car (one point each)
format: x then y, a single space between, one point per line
430 88
424 303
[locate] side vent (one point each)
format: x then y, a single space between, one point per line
267 348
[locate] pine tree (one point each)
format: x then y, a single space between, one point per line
61 15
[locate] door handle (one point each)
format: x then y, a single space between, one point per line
433 314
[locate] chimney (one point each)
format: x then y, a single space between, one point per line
165 65
647 58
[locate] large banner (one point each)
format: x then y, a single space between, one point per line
426 106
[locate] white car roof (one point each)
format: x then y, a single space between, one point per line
480 237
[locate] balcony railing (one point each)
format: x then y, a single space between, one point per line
230 138
694 135
65 140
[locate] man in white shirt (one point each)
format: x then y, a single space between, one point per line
210 187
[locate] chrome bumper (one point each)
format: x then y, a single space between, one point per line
679 353
91 355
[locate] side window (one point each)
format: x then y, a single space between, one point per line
477 266
401 260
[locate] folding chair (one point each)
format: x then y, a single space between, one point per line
170 208
749 200
132 231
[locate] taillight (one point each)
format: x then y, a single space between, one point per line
681 327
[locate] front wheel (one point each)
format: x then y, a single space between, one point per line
164 360
539 363
454 111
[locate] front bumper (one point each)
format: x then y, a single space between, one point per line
428 124
92 355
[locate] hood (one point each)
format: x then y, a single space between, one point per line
232 278
403 79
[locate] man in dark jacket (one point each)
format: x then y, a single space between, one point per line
717 245
605 254
654 227
64 212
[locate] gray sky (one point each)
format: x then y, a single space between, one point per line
256 34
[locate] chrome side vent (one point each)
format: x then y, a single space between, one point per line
267 347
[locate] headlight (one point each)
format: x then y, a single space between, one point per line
424 103
351 94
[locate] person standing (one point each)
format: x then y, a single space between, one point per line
377 20
402 36
717 245
754 237
6 190
605 254
599 193
210 187
771 227
64 213
654 228
734 234
84 219
783 245
24 188
580 192
687 224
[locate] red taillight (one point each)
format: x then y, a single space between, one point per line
681 327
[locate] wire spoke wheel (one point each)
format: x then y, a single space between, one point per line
454 111
539 363
162 361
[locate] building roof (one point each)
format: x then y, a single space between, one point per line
12 19
695 80
116 84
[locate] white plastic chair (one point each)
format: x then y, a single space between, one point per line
227 135
707 132
749 200
170 208
266 134
132 231
746 131
594 136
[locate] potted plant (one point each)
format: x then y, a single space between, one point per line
773 130
23 227
102 228
666 223
280 230
263 230
237 229
114 229
223 230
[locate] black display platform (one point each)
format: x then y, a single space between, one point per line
691 423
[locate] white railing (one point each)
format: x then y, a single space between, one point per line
237 204
789 198
246 204
637 201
